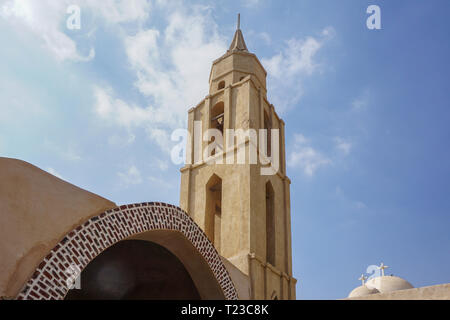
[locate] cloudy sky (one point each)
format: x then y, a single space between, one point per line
367 115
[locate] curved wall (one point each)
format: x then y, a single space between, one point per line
36 211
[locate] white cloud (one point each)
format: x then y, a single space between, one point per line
362 101
265 37
297 58
359 205
132 176
288 68
309 159
71 154
343 145
162 165
251 3
15 102
121 141
161 182
348 202
46 19
161 137
119 11
172 67
119 112
53 172
305 157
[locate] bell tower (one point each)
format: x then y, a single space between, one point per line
234 183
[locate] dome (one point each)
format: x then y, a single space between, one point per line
362 291
386 284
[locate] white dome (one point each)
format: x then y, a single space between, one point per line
362 291
386 284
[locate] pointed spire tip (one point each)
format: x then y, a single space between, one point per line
238 43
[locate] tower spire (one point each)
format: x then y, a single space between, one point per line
238 43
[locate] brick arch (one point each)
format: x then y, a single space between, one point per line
87 241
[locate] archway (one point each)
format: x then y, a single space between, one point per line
161 223
135 270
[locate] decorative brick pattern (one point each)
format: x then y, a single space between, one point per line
80 246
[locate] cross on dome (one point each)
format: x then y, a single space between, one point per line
363 278
382 267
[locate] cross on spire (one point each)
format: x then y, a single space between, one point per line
382 267
363 278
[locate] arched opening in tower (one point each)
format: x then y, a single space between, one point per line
213 214
270 224
135 270
268 127
217 116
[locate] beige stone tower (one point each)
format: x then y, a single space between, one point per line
244 213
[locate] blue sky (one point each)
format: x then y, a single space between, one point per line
366 114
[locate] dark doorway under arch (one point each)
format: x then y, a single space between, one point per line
135 270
